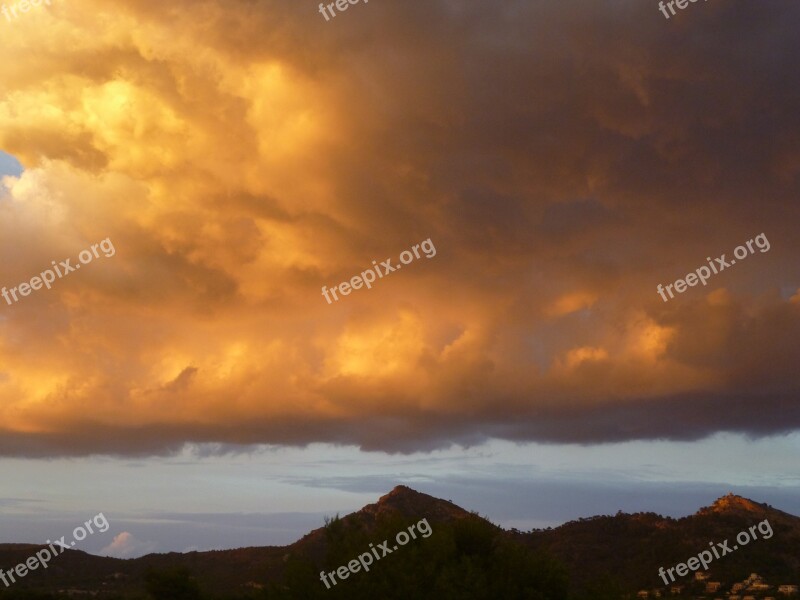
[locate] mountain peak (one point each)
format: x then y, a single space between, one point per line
401 492
411 503
403 501
731 503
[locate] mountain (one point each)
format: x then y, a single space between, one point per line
622 552
633 547
401 501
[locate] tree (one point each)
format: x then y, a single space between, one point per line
171 584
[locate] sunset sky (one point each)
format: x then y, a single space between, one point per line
564 158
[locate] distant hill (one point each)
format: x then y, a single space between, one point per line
610 554
631 548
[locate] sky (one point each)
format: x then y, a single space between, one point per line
215 169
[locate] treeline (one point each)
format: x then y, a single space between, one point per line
463 560
467 559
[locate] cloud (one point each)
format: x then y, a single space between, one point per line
563 162
125 545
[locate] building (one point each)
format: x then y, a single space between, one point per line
787 589
700 576
643 594
737 587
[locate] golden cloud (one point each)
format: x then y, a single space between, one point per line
242 155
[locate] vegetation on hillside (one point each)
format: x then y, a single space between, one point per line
469 559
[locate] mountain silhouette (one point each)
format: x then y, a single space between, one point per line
634 546
620 552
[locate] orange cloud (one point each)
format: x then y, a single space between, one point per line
242 155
